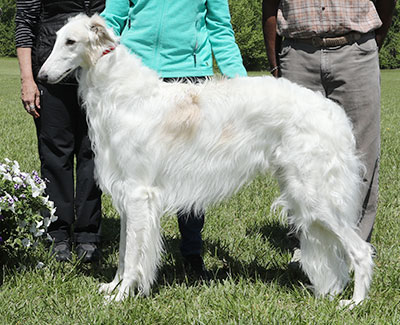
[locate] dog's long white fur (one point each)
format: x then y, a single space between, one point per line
160 147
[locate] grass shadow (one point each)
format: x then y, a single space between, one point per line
172 271
278 235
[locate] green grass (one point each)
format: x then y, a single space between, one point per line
245 247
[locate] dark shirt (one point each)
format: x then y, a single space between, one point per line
26 19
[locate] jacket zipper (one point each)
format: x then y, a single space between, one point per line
158 38
194 54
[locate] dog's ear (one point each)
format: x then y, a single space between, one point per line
99 32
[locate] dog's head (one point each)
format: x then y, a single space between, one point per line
80 43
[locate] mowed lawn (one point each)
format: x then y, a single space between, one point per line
245 245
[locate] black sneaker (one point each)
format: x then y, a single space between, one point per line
88 252
194 266
61 251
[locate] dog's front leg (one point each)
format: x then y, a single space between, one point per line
110 287
143 242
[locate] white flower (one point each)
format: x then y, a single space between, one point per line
35 229
45 200
26 242
10 201
42 187
53 217
7 176
15 167
23 175
17 180
50 204
38 232
47 222
35 190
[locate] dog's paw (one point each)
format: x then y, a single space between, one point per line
107 287
120 296
108 299
350 304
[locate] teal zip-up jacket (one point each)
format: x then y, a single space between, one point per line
176 38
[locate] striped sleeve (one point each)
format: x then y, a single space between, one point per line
26 18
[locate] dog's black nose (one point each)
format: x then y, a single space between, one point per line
43 77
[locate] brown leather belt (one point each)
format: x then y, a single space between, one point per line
317 41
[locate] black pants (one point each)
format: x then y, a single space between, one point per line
62 136
190 224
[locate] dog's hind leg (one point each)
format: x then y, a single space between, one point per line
143 241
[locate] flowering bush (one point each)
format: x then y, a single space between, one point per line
22 207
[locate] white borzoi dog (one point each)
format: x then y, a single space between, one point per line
160 147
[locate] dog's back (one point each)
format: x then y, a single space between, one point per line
225 132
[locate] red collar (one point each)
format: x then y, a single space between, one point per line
106 51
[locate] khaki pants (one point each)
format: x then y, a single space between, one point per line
350 76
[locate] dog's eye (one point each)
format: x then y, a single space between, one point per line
70 42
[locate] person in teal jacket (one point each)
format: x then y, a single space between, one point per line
178 40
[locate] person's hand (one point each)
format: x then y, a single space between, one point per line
30 97
379 38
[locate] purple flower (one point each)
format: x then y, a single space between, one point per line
1 240
1 217
17 186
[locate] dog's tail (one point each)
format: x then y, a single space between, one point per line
327 256
324 260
